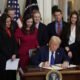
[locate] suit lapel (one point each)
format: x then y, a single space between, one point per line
47 53
68 32
54 27
77 34
38 32
57 55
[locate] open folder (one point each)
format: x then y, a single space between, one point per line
12 65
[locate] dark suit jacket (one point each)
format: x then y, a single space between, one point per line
42 34
43 55
75 47
51 29
14 25
8 47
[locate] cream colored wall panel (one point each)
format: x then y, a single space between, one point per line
22 4
47 11
40 4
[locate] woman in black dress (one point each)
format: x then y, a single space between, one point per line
71 38
8 47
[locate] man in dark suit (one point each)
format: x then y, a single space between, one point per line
16 23
42 33
11 13
55 28
52 54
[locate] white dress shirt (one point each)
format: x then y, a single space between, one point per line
37 25
50 53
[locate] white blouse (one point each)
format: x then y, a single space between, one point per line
72 35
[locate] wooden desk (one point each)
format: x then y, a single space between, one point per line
40 74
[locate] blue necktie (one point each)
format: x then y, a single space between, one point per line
52 59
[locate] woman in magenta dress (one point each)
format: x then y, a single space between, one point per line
27 39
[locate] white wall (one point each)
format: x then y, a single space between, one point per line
46 15
22 5
44 9
2 5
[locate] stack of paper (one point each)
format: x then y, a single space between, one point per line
71 66
12 65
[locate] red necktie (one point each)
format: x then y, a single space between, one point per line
59 29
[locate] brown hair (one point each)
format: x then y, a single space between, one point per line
28 16
74 13
35 12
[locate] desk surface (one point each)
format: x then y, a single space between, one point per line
71 73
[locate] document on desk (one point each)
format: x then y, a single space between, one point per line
54 68
58 67
12 65
70 66
51 67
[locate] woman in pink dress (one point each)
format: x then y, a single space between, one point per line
27 39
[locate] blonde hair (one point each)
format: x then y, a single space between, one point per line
55 39
37 12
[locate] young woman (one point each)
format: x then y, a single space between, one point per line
27 40
71 38
8 47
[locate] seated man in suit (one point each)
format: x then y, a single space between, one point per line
52 54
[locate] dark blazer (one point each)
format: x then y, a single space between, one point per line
8 47
42 34
14 25
66 34
43 55
51 29
75 47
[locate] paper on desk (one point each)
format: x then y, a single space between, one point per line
12 65
58 67
50 67
70 66
54 67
